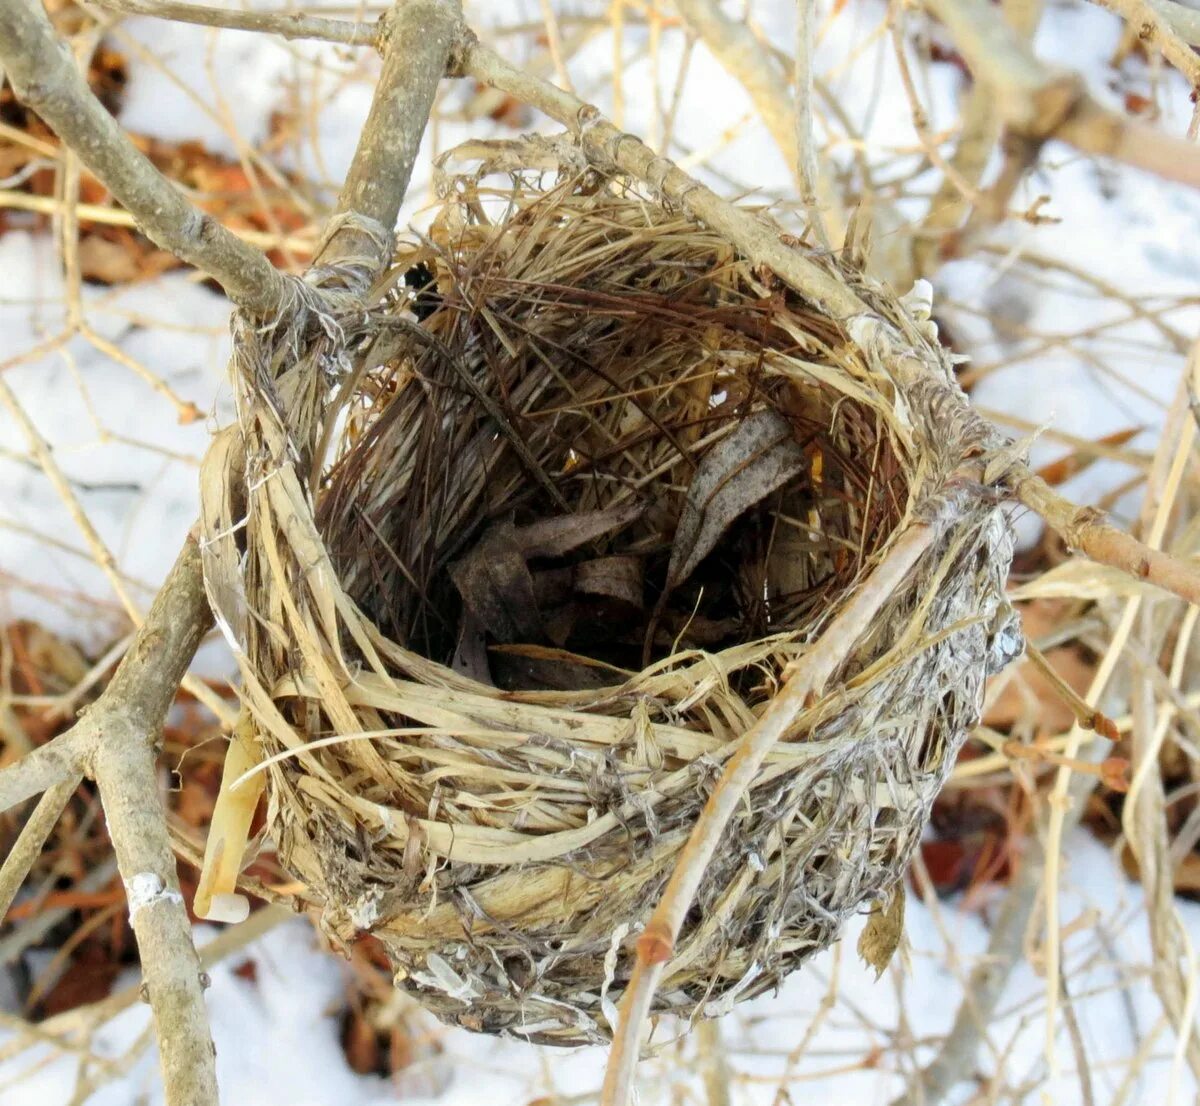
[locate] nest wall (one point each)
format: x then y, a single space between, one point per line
526 548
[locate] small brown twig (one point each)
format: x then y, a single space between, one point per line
803 684
1084 530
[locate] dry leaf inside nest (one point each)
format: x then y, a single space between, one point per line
759 457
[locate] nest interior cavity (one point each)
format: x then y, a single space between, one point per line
527 548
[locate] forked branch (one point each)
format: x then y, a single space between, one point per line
1037 102
45 78
115 741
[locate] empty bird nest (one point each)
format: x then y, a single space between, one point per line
515 558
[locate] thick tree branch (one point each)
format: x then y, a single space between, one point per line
45 78
1038 103
387 149
115 740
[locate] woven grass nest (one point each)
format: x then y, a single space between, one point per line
514 559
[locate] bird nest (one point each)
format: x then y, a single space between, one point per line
514 558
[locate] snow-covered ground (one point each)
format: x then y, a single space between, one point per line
277 1032
1049 350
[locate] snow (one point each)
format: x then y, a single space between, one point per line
133 468
277 1028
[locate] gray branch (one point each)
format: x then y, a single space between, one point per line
290 25
115 741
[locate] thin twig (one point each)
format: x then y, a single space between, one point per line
1156 511
956 1057
28 845
289 25
605 145
803 684
1084 529
806 148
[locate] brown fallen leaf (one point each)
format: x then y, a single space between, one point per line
759 457
883 932
556 537
612 578
497 587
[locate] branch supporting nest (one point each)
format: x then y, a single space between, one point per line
44 77
115 741
343 32
804 685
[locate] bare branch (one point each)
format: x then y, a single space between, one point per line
979 134
115 739
805 681
1084 529
806 150
47 766
1157 32
45 78
1184 21
289 25
1039 103
33 836
387 149
733 44
955 1061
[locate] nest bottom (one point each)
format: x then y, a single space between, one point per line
531 936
